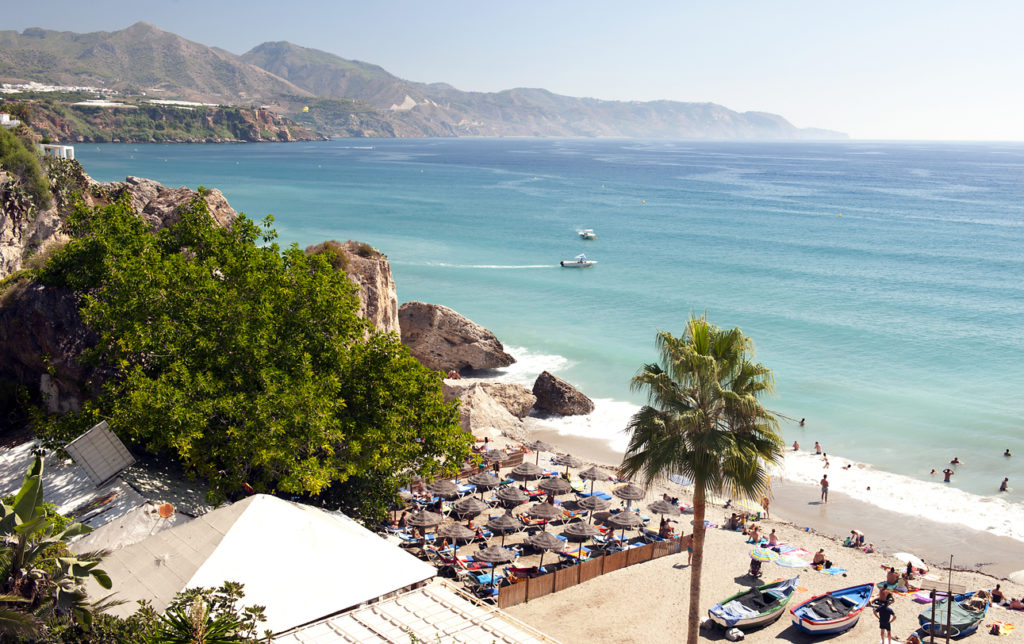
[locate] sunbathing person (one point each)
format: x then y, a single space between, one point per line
1016 604
997 595
892 577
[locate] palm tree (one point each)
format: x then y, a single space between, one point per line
703 419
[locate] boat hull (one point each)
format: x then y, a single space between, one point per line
568 264
763 619
859 596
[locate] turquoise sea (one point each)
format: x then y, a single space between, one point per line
882 282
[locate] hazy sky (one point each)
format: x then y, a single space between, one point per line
880 70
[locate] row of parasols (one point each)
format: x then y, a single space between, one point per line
511 497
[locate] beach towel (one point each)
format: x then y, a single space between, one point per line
796 552
831 571
1000 628
791 561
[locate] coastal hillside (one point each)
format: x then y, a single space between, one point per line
140 122
347 98
139 59
439 109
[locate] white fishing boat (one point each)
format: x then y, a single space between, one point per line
587 233
580 261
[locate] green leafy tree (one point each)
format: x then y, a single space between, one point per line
19 159
40 579
246 363
704 420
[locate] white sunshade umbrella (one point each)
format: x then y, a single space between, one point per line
913 560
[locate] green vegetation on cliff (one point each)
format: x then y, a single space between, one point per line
27 179
248 364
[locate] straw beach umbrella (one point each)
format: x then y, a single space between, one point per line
469 506
630 492
545 541
664 507
443 488
512 496
568 461
545 511
502 523
593 474
538 447
456 532
580 531
555 486
624 520
526 472
494 555
484 481
593 504
424 519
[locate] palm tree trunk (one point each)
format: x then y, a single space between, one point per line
693 614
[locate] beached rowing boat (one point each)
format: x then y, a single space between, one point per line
833 612
967 612
754 607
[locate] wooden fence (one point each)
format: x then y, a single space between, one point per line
563 578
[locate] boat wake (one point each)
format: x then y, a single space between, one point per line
496 266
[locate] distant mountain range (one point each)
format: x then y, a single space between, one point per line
353 98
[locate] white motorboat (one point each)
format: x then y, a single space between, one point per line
587 233
580 261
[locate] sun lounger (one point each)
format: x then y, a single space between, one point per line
599 494
573 514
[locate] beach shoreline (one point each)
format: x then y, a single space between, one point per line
799 504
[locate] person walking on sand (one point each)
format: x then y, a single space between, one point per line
765 503
824 488
886 617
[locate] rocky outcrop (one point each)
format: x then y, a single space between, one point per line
41 339
368 269
556 396
157 204
482 415
517 399
442 339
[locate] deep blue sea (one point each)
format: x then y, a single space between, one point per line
881 282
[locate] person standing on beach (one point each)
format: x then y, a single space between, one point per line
824 488
886 617
765 503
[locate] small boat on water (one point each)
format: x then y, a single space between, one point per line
754 607
587 233
966 614
832 612
580 261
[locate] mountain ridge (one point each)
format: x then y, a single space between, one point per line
343 97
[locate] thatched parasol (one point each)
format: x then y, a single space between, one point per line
568 461
456 532
593 504
538 447
593 474
526 472
624 520
502 523
580 531
630 492
469 506
546 511
443 488
494 555
544 541
555 486
512 496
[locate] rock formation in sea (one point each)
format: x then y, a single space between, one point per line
444 340
517 399
368 269
556 396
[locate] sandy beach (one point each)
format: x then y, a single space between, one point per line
648 602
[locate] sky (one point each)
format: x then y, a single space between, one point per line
905 69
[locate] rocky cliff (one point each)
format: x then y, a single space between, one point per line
442 339
368 269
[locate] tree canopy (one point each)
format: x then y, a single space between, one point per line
246 363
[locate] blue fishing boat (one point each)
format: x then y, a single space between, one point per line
966 614
832 612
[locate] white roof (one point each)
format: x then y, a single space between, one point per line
301 562
434 613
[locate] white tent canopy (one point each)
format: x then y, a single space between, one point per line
301 562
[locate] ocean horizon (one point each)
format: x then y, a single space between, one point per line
879 281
